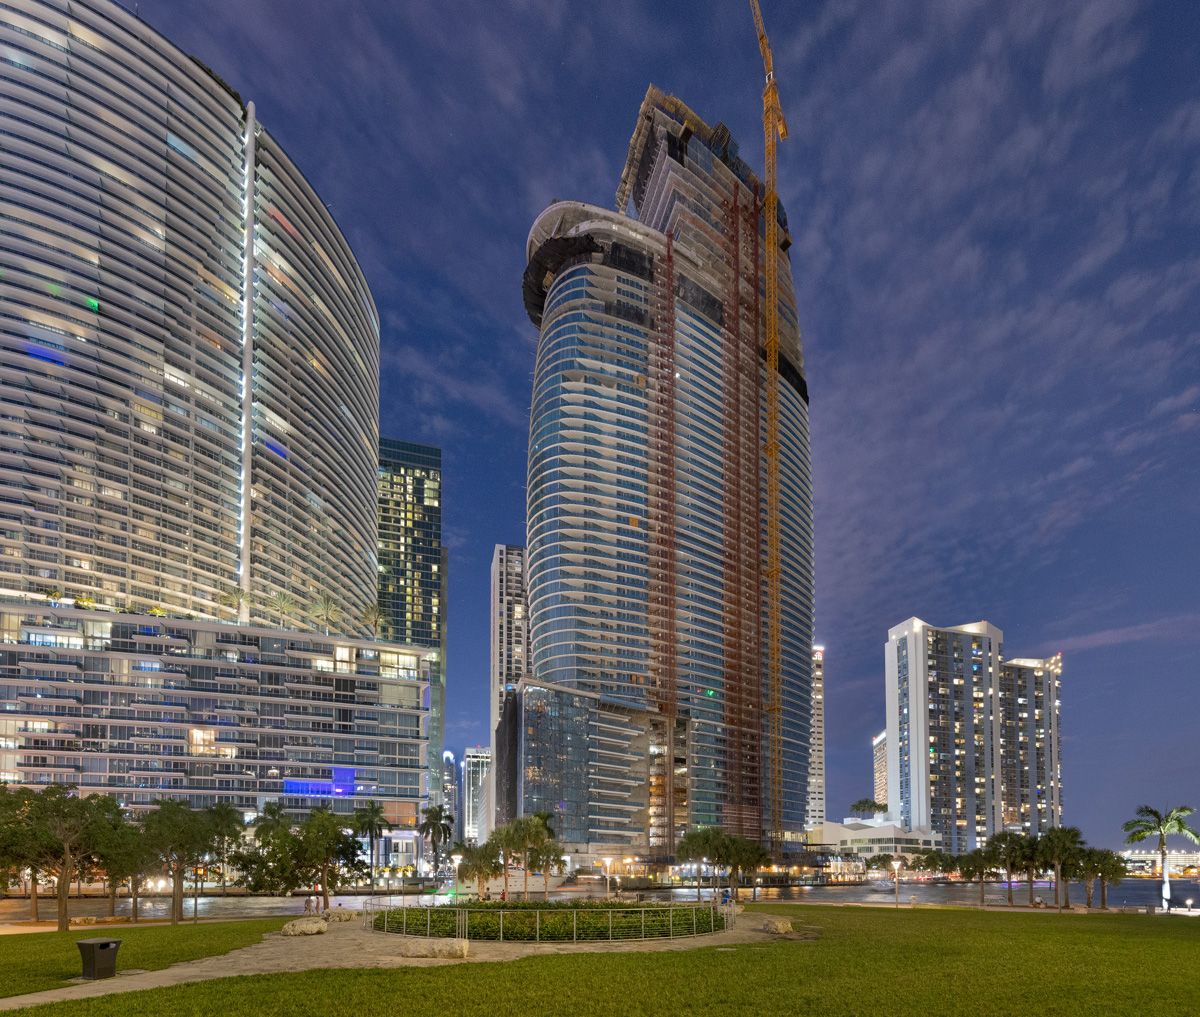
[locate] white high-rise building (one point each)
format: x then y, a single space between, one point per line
969 737
510 638
816 746
476 765
879 763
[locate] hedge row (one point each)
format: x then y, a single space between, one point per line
554 925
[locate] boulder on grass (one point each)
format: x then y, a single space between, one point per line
453 948
83 920
777 926
339 914
304 927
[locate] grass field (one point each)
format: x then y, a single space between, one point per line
44 960
867 961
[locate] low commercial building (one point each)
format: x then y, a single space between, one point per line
885 835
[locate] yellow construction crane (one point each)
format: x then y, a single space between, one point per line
774 126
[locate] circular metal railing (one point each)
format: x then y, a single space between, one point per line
396 916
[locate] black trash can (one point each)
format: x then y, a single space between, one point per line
99 957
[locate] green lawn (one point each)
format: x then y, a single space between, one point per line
44 960
867 961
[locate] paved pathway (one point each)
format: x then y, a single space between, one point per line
348 945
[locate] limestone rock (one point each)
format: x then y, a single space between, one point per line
739 909
456 948
339 914
83 920
304 927
777 926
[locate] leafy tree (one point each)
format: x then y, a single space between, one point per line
437 826
1112 870
227 826
1152 823
867 807
744 855
481 863
325 607
61 824
369 822
282 603
1009 850
1056 849
699 845
271 865
119 851
22 842
180 837
372 617
975 865
328 852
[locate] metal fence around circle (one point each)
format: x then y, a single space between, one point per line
545 925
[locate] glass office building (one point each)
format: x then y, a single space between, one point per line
189 353
647 536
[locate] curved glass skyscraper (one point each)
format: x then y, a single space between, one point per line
189 381
647 501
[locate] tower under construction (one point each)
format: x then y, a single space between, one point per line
648 524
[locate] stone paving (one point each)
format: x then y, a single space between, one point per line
348 945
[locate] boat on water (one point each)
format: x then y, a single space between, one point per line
884 886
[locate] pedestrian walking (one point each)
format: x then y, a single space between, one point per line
308 905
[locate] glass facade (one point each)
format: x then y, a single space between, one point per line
188 350
646 533
412 567
147 708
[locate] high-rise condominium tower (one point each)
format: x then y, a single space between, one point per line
189 373
412 567
510 639
476 764
647 534
879 765
188 349
451 794
965 756
815 816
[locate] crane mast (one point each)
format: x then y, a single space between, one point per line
774 129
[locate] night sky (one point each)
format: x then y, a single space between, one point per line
995 209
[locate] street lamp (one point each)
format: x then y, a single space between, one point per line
896 866
457 860
607 862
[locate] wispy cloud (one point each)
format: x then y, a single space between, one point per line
1185 628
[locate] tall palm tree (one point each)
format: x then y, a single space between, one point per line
1152 823
1112 870
1010 853
326 608
1087 868
1031 858
238 600
976 865
508 844
226 824
698 845
481 863
282 603
369 822
437 826
1059 845
372 617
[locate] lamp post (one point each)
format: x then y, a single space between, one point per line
896 866
607 862
457 860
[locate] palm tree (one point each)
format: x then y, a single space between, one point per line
327 609
1088 867
372 617
438 827
237 599
1030 860
53 595
699 845
1059 845
744 855
976 865
1010 853
1152 823
1112 870
481 863
282 603
227 824
369 822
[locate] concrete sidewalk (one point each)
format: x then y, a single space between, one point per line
348 945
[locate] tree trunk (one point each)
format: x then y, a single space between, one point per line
1057 880
1103 893
134 887
325 885
112 899
546 881
195 896
1008 873
177 875
1166 876
525 869
33 895
1030 873
1067 893
371 865
64 891
982 887
1089 886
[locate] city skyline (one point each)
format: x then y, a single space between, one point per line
991 214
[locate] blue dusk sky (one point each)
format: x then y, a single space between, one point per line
995 209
